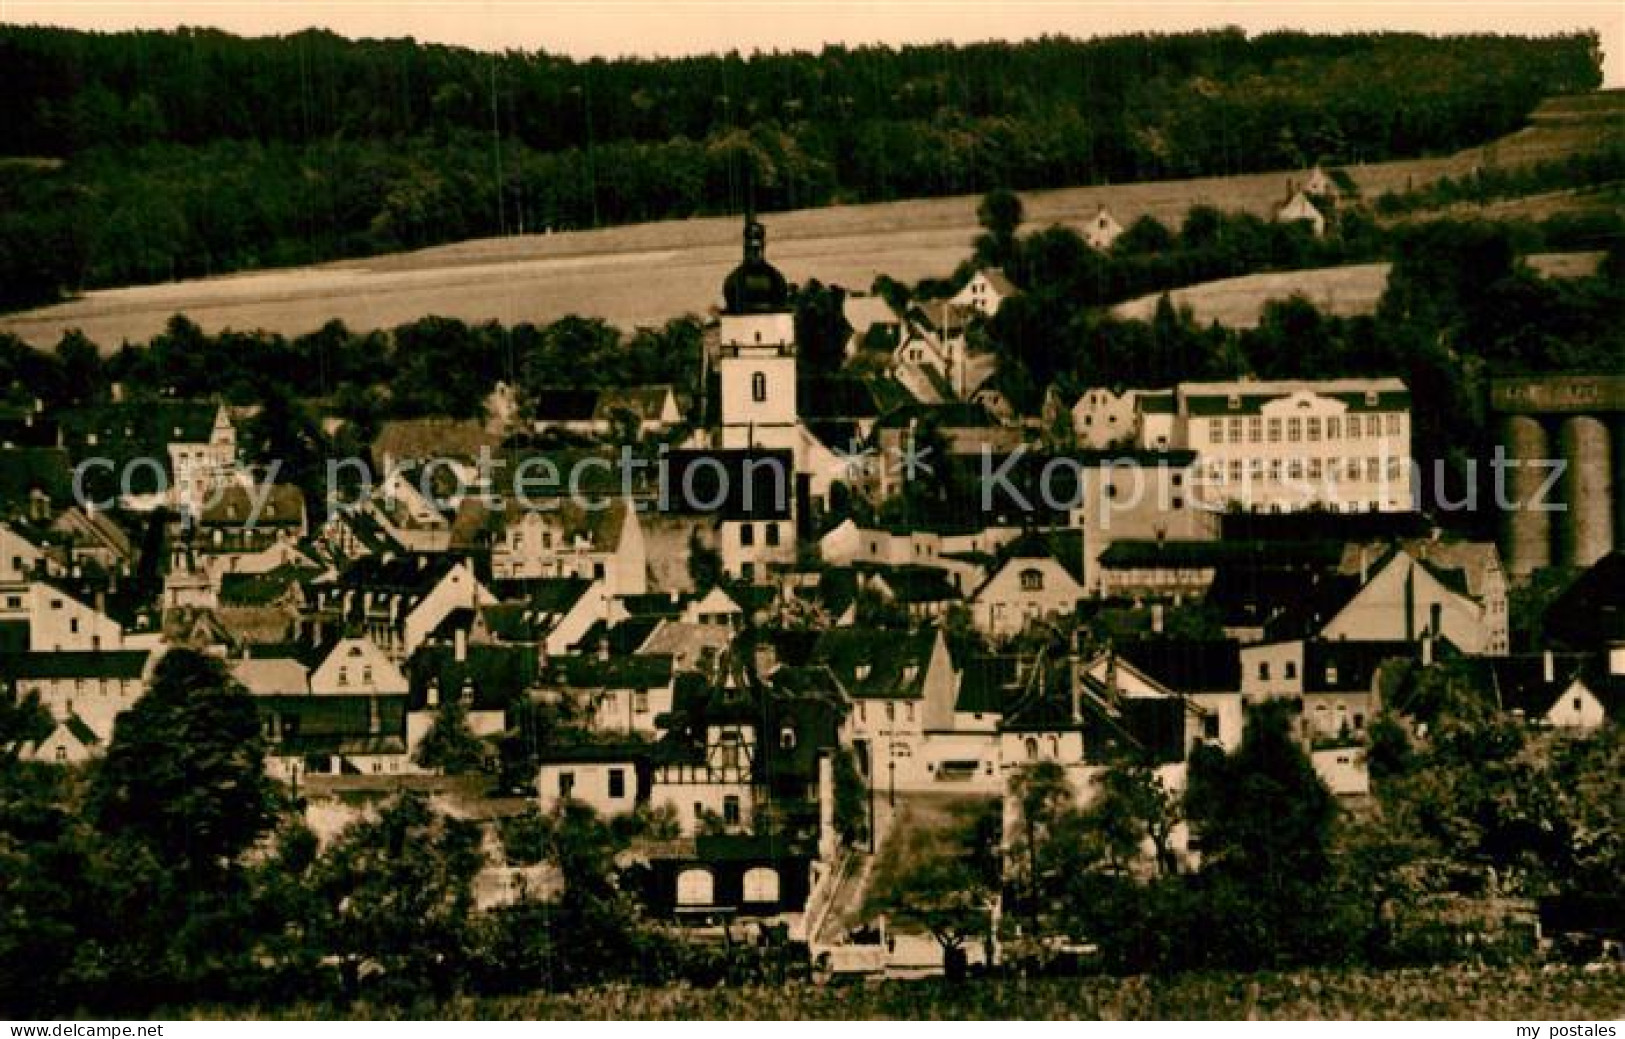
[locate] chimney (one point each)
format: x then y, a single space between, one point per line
374 722
1427 651
459 645
1156 618
1616 658
101 601
1548 667
603 648
432 694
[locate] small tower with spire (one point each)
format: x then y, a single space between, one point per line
757 360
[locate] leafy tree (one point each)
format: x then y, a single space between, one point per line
22 721
851 800
1134 806
1046 813
821 328
929 878
398 890
1264 821
1000 214
185 772
704 564
450 745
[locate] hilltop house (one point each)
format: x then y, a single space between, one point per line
986 291
1298 209
1102 230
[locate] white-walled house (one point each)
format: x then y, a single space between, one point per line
1037 577
1298 209
986 291
1102 230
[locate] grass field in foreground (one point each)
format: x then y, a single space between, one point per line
1458 993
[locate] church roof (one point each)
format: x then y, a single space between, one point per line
755 286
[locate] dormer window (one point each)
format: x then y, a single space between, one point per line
787 738
862 671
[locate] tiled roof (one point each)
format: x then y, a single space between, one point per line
1246 397
589 671
988 684
280 505
118 664
427 438
239 589
877 664
499 676
1187 666
1590 613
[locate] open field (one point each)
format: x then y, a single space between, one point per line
1504 994
1344 291
646 273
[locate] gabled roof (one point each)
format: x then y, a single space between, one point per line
263 676
590 671
498 676
1521 681
822 397
996 278
564 405
911 583
546 596
113 665
336 724
1134 554
407 440
622 637
1248 397
1065 546
238 589
413 573
688 642
279 505
1590 613
646 402
988 684
1343 665
1187 665
872 664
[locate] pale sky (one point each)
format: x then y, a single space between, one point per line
611 28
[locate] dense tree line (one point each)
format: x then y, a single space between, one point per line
174 873
197 152
1287 876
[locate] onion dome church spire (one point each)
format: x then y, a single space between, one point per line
755 286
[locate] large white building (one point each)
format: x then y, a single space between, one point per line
1343 445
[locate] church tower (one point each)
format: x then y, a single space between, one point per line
757 362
